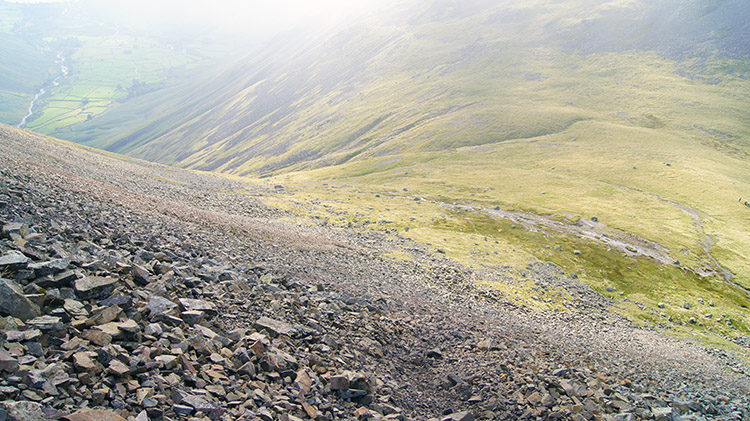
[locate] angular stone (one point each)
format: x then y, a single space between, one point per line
24 411
182 410
169 362
46 323
141 275
35 348
274 326
83 361
548 400
217 390
163 257
75 308
159 305
351 394
153 329
191 304
569 387
258 348
13 259
247 369
97 337
118 368
95 287
198 403
561 372
434 353
485 345
206 332
8 362
192 317
265 414
143 393
12 227
14 303
107 315
459 416
310 410
94 415
304 381
15 336
120 300
534 399
112 329
49 267
129 326
360 412
169 320
662 414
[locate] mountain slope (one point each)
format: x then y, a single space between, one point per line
290 318
579 133
438 76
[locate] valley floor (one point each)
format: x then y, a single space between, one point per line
353 333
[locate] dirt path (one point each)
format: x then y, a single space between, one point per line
584 228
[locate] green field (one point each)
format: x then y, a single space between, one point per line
108 63
106 71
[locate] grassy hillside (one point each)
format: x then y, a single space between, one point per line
443 75
615 173
24 67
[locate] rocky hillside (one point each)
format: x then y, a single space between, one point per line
136 291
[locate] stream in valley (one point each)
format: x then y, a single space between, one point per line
55 82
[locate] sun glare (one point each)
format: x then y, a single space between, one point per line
265 15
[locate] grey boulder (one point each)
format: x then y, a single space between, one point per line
14 303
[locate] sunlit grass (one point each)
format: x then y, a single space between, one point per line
636 285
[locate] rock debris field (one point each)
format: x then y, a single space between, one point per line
134 291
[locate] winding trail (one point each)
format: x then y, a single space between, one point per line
629 244
597 231
707 242
584 228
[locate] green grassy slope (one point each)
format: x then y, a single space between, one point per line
449 75
24 68
659 185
